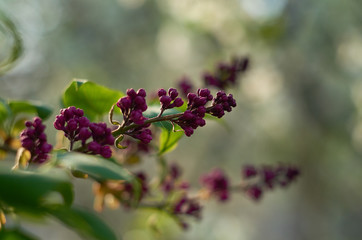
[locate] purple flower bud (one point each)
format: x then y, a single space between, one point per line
110 139
254 192
94 147
39 127
84 134
178 102
79 112
96 129
124 103
231 100
269 176
249 171
187 115
203 92
28 124
165 101
200 122
46 148
223 196
106 152
201 111
175 171
27 143
59 122
137 117
42 137
292 173
191 97
200 101
29 132
139 102
145 136
83 122
68 114
141 92
172 92
188 131
72 125
187 206
132 93
37 121
161 92
217 183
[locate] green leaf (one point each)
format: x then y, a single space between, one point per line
30 191
153 111
4 110
84 222
33 107
97 168
15 234
169 139
94 99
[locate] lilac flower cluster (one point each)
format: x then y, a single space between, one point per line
171 182
169 99
222 103
226 73
217 184
132 106
192 118
267 178
187 206
128 192
77 127
34 140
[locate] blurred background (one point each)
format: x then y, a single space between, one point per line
300 102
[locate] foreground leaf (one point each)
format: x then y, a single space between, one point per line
97 168
32 107
94 99
84 222
15 234
28 191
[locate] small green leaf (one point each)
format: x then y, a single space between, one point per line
33 107
97 168
29 190
18 126
15 234
94 99
169 139
153 111
87 224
